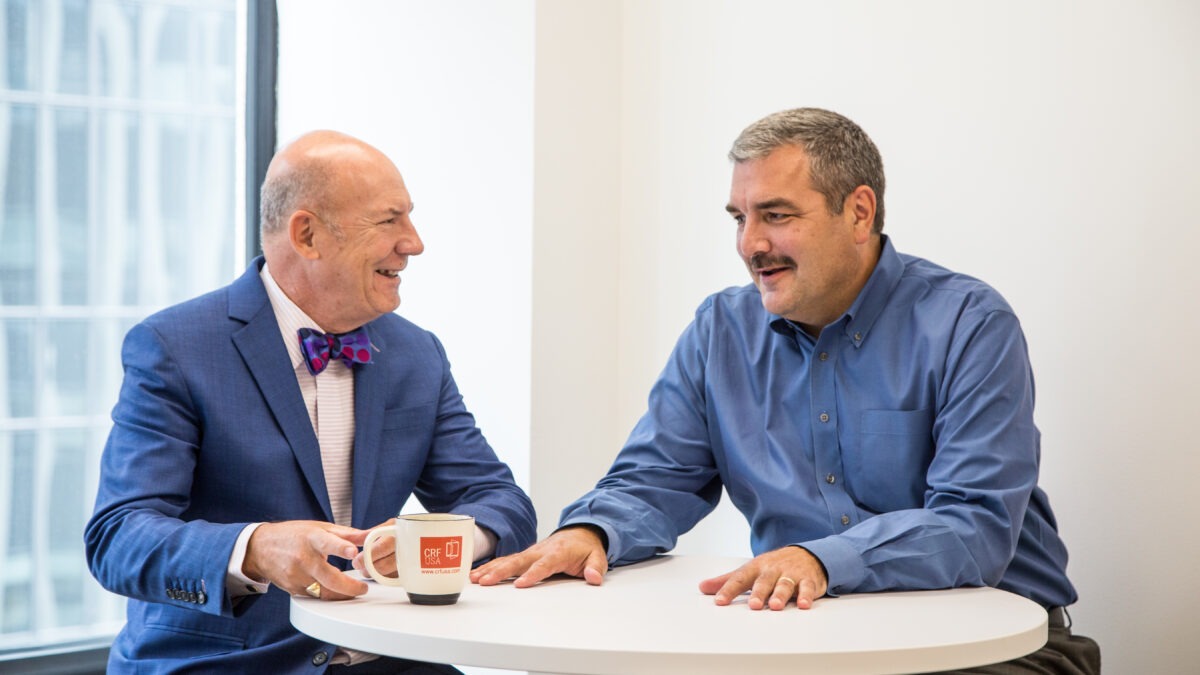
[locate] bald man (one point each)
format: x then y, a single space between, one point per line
264 428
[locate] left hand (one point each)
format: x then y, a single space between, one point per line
384 549
773 579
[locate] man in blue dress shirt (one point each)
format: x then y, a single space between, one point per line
869 412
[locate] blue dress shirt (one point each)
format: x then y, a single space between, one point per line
898 447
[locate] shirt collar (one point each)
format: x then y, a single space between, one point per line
857 321
288 315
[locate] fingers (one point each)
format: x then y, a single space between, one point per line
501 569
293 554
772 579
713 585
384 557
328 542
337 585
544 566
574 551
806 594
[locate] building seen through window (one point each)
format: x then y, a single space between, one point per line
120 193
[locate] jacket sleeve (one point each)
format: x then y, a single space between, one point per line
136 542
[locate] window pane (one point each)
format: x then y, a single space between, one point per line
118 39
20 39
69 498
167 70
66 357
18 228
70 20
16 551
118 214
71 207
17 342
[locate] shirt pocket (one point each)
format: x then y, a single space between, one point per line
890 459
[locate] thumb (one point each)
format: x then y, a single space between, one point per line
595 568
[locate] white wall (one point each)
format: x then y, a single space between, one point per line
1046 147
446 90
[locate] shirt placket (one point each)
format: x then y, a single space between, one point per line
827 456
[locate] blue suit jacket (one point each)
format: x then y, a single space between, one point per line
210 433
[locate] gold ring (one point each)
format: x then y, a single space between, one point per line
789 580
313 589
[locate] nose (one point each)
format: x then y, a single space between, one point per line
410 242
752 238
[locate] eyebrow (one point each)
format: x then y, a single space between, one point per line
767 205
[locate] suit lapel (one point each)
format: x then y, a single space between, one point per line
266 357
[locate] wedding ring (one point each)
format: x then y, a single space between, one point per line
787 579
313 589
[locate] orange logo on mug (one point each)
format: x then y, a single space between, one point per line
441 552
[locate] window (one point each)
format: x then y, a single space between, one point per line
121 191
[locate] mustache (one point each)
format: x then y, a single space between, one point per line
760 261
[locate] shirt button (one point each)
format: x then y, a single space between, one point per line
824 417
858 337
320 658
824 356
845 519
831 479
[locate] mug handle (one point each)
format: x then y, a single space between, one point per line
368 558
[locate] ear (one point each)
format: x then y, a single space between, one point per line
860 208
302 232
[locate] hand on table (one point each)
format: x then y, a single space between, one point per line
293 554
577 551
773 579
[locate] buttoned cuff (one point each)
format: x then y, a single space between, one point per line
843 565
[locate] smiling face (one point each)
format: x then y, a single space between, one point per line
338 249
808 263
365 244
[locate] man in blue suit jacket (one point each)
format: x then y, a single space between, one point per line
223 490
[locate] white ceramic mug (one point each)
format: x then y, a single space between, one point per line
434 552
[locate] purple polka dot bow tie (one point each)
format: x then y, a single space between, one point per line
319 348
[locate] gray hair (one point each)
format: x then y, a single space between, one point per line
841 156
307 185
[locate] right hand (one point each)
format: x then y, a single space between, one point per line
577 551
293 554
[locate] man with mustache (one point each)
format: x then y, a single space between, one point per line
869 412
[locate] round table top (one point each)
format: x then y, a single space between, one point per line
651 618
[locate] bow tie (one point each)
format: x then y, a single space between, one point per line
319 348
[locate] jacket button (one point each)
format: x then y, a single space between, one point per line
202 598
320 658
191 597
171 593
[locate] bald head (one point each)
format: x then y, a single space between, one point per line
309 173
336 228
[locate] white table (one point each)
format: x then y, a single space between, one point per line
650 618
